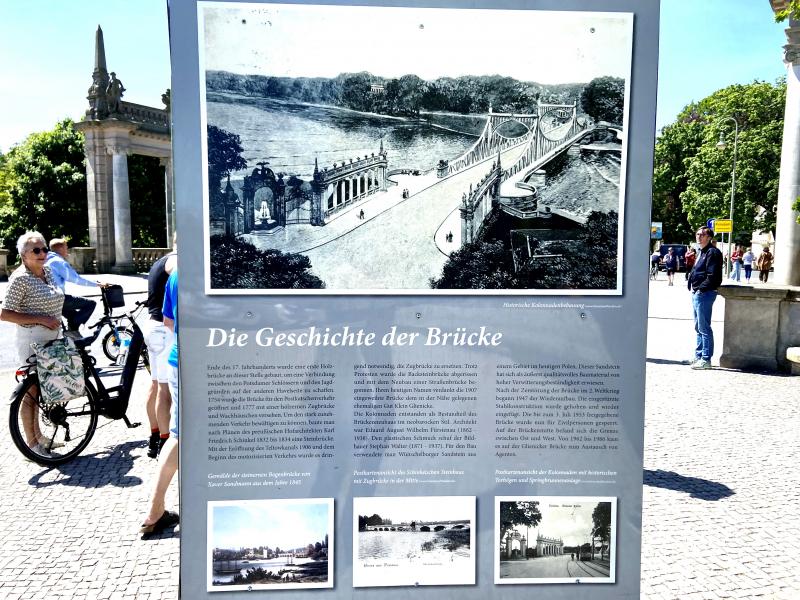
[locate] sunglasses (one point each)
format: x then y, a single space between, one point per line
38 250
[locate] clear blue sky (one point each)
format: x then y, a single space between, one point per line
47 54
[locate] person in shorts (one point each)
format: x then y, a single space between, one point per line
158 518
159 341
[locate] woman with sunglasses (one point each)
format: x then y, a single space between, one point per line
33 302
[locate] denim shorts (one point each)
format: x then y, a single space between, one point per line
175 409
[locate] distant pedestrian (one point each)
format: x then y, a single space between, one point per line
361 214
572 556
747 263
736 264
703 282
764 264
690 257
671 263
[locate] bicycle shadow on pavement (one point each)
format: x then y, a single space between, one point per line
702 489
109 467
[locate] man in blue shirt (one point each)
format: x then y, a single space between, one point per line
76 310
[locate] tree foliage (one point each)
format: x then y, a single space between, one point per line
148 202
692 175
44 187
407 95
224 155
237 264
525 513
603 99
792 11
587 262
601 521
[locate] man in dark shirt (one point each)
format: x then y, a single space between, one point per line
703 281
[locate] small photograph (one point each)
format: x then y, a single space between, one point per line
414 540
555 539
270 544
411 159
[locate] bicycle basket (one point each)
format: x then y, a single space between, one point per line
113 296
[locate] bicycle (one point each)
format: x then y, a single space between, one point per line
68 427
118 334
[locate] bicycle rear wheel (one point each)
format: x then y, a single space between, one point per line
62 430
112 341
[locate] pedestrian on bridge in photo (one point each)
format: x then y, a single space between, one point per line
705 278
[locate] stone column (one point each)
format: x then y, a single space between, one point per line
169 200
787 230
122 210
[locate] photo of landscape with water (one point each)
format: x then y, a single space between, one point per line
270 544
409 158
555 539
414 540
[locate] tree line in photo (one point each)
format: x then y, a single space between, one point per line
409 95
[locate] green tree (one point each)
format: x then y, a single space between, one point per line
790 11
525 513
148 202
44 187
603 99
692 175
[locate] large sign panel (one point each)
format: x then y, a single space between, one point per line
412 308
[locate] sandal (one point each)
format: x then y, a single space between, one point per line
166 521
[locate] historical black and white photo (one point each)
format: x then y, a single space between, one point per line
424 151
414 540
555 539
270 544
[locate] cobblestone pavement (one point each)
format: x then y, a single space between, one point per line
721 510
72 532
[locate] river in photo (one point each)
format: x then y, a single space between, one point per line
290 136
417 546
274 565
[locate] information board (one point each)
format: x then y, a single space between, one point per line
413 296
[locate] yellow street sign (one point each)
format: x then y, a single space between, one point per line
723 226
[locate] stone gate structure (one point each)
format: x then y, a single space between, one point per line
113 129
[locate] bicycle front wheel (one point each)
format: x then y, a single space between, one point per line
51 434
113 340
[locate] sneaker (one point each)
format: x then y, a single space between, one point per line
153 445
701 364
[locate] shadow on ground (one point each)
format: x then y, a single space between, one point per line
702 489
107 467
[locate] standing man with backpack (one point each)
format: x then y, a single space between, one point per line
705 278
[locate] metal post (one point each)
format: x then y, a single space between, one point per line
721 144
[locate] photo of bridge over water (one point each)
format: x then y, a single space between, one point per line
413 151
414 540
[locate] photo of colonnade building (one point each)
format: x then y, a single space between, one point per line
552 539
